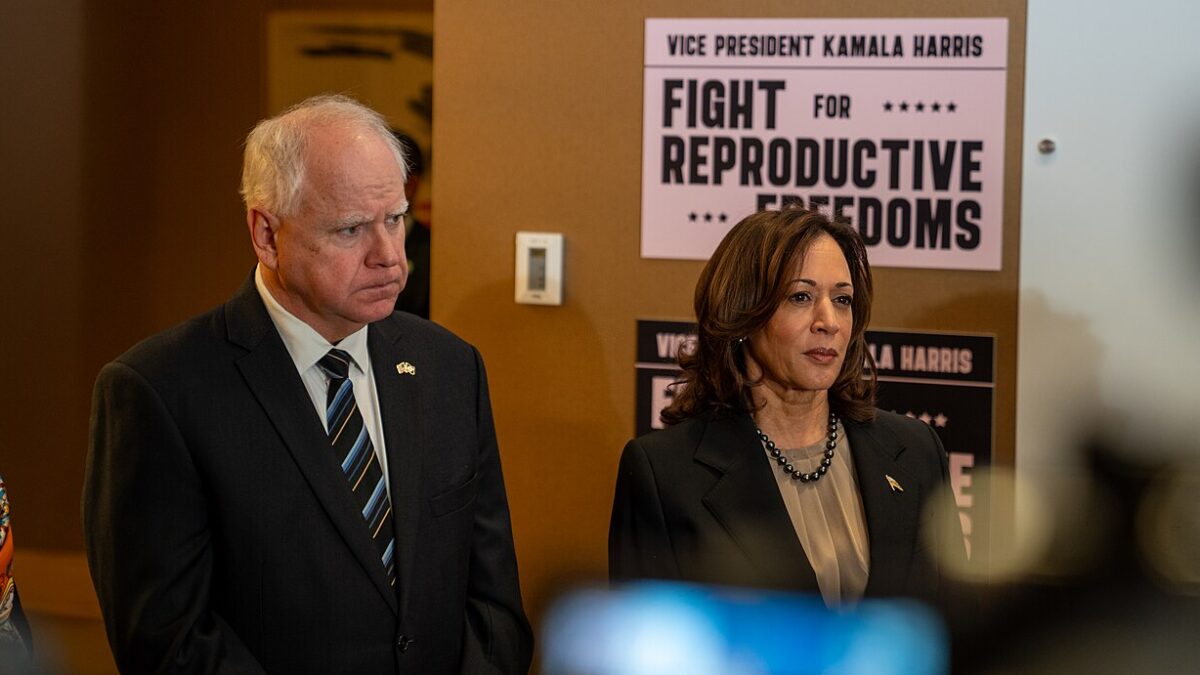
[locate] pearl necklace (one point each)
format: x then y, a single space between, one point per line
790 469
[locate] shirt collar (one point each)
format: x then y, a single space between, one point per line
305 345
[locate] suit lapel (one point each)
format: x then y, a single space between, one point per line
400 405
746 501
892 514
271 375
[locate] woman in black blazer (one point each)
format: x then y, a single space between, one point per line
776 469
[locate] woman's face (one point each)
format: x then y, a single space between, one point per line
804 344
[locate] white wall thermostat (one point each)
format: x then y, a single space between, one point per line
539 268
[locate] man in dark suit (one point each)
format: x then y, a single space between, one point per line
302 480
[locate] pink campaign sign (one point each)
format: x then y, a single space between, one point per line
896 123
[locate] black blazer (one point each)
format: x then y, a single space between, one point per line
698 502
221 536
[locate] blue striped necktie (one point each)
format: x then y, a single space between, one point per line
353 450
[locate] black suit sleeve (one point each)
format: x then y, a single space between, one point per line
639 545
496 635
146 529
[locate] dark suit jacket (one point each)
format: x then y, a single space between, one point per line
698 502
221 534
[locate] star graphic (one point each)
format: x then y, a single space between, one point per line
920 106
904 106
887 106
708 217
951 106
937 107
940 420
692 216
924 417
722 217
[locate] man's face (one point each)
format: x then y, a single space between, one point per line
338 261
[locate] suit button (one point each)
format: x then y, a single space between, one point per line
402 643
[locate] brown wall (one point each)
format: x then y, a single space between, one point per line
538 127
41 133
122 193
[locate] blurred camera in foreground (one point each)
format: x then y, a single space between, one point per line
648 628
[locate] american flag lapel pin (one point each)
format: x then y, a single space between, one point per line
406 368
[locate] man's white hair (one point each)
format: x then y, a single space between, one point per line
273 164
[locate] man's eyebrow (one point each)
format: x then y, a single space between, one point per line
348 221
360 219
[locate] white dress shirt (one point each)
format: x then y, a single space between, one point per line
306 346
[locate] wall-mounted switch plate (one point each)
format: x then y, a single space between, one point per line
539 268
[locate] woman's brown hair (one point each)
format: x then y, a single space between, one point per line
739 290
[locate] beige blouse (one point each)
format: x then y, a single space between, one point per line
828 518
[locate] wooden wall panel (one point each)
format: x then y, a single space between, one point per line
41 181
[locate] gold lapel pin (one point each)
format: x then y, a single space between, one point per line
406 368
895 485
